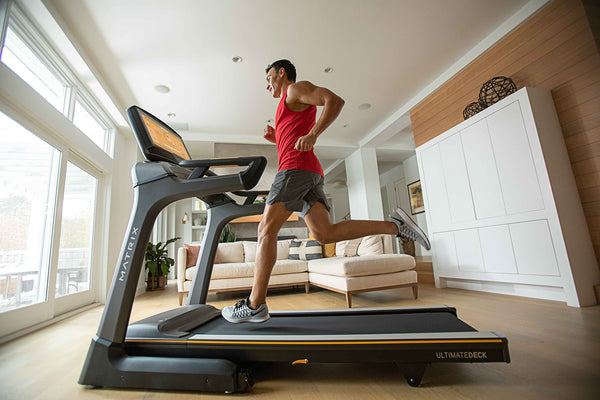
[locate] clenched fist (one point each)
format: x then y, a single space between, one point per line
305 143
269 133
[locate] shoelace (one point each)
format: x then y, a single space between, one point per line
241 309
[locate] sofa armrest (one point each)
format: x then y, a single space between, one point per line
181 267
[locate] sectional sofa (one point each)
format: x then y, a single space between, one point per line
357 266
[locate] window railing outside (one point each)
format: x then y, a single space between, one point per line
74 256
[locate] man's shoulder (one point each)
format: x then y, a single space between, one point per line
297 88
297 92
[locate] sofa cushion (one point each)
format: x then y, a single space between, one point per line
305 250
361 266
232 252
370 245
283 249
364 282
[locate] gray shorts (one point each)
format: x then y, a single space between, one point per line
298 190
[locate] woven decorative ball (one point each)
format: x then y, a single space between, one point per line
472 109
495 90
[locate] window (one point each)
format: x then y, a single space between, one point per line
19 57
74 256
28 54
88 124
28 181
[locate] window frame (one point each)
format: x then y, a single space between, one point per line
27 107
74 89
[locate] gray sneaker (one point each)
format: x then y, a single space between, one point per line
408 228
241 312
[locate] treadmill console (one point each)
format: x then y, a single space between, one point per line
157 141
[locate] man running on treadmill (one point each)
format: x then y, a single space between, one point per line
298 186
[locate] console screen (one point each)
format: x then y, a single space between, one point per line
165 139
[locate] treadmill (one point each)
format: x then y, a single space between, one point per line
193 348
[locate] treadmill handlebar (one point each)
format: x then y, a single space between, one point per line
248 177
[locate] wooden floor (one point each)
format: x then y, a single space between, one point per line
555 353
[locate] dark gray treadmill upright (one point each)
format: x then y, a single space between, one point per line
194 348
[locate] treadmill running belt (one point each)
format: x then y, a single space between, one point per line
340 325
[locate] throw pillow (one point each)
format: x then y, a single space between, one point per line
313 250
329 250
294 250
351 249
192 255
305 250
370 245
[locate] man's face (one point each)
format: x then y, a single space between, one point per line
274 82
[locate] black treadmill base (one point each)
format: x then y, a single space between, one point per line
107 365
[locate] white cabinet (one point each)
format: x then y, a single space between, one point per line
196 221
502 206
481 169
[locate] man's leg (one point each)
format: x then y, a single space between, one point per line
321 228
266 252
254 307
317 219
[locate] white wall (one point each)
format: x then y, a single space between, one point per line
121 202
362 177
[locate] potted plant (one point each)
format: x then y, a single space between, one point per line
158 264
227 235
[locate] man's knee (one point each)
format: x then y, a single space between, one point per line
267 229
322 236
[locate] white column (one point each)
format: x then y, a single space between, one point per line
362 177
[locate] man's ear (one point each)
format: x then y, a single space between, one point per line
282 72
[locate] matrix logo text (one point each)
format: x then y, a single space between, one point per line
128 253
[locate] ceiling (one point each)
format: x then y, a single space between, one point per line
382 53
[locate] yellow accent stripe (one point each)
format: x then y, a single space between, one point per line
312 343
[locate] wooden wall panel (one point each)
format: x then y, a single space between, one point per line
554 49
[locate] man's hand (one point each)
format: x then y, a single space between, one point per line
305 143
270 134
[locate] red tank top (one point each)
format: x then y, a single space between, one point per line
289 126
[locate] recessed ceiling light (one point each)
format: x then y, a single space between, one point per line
364 106
237 59
171 115
162 89
328 70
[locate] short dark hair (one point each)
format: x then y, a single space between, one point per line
287 65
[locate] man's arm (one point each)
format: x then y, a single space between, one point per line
303 94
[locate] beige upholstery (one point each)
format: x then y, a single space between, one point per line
235 269
363 265
375 267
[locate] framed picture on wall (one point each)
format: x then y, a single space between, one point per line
415 194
